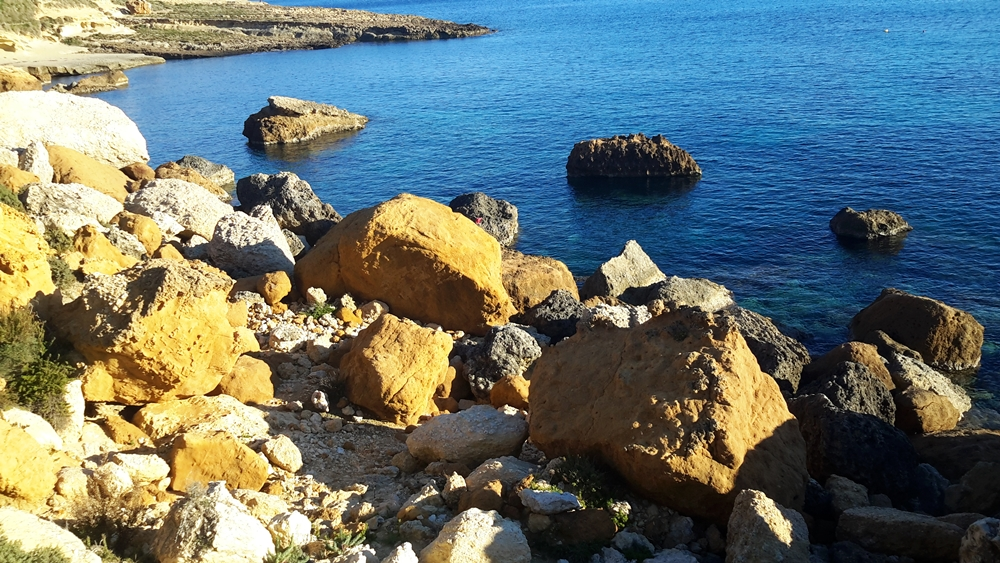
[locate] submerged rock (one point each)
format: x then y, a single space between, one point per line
630 156
288 120
868 225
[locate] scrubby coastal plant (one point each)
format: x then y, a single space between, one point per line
592 485
320 309
58 240
35 379
12 552
290 553
342 540
62 274
9 198
109 523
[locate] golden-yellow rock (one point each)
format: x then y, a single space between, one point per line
423 260
139 171
348 316
99 255
15 178
124 433
72 167
24 267
274 286
154 332
239 313
530 279
168 252
249 382
198 457
14 79
201 414
144 229
510 390
27 471
178 172
394 369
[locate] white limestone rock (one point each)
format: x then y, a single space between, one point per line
281 451
402 554
470 437
36 427
143 469
475 536
69 206
191 205
290 528
34 158
33 532
762 530
549 502
250 245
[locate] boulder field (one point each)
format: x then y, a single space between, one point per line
184 380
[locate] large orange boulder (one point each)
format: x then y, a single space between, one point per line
96 254
15 178
27 472
423 260
203 457
946 337
72 167
678 406
24 267
154 332
530 279
395 367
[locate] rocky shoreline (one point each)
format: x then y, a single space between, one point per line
185 380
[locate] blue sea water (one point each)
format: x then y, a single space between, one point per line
793 108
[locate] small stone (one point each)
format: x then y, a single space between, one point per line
549 502
315 296
333 425
281 451
290 528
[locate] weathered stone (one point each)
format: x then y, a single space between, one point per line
75 405
853 387
548 502
127 243
201 414
394 369
895 532
68 206
981 543
88 125
946 337
143 228
15 179
685 414
194 207
908 373
27 471
857 352
138 7
845 494
529 280
73 167
281 451
34 158
419 257
630 156
977 491
155 332
402 554
497 217
420 504
32 533
780 356
288 120
291 199
262 506
201 457
508 470
15 79
110 480
475 536
919 411
610 316
249 382
173 170
24 268
104 82
557 315
868 225
631 268
292 528
124 433
955 452
762 530
97 253
506 350
678 292
211 527
142 469
511 390
471 436
36 427
139 171
220 174
588 526
250 245
887 346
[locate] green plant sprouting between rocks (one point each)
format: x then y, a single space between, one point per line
320 309
58 240
35 378
344 539
12 552
290 553
9 198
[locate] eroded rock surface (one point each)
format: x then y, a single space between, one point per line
630 156
289 120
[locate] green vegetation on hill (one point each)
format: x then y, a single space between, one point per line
35 380
19 16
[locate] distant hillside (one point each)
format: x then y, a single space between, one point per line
19 16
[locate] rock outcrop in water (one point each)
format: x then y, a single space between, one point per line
630 156
868 225
288 120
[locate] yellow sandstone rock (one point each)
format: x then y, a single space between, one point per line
27 471
99 255
15 178
178 172
72 167
198 457
24 269
144 229
249 382
530 279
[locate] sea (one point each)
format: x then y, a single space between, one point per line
794 109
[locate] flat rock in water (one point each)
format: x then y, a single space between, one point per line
868 225
628 156
289 120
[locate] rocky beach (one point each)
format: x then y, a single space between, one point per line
200 367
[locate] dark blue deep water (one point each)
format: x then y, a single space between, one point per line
793 108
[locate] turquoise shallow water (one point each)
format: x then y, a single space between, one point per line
794 109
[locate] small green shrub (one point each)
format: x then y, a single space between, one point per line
62 274
9 198
591 484
35 379
58 240
12 552
320 309
19 16
344 539
290 553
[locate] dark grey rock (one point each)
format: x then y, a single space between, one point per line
779 356
556 316
850 552
819 501
631 268
506 350
630 156
221 174
497 217
852 386
295 244
868 225
127 243
860 447
291 199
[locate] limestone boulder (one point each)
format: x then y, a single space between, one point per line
15 179
475 536
981 543
36 427
88 125
143 469
282 452
250 245
779 355
895 532
97 254
249 382
857 352
34 158
202 457
173 170
27 472
507 469
919 411
762 530
15 79
220 174
154 332
73 167
908 373
143 228
417 256
470 437
195 208
630 156
678 406
262 506
24 267
506 351
497 217
395 367
529 280
69 206
104 82
853 387
557 315
289 120
34 533
630 269
946 337
211 526
868 225
291 199
677 292
201 414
